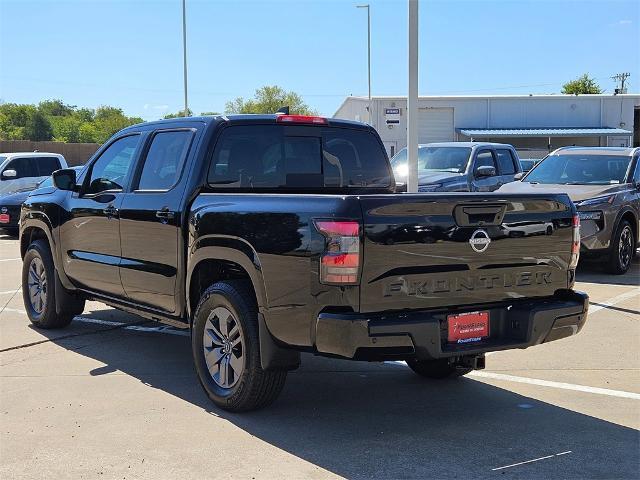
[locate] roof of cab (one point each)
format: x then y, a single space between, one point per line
32 154
465 144
619 151
232 118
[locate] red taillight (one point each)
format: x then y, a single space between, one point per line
301 119
575 244
340 262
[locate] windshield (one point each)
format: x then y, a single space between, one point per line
579 169
434 159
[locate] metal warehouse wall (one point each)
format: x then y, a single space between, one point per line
74 153
542 111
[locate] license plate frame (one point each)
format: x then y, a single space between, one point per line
468 327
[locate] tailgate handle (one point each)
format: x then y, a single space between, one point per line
476 215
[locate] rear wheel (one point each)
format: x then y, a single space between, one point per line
437 369
622 249
39 290
226 349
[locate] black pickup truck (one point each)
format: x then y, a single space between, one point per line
271 235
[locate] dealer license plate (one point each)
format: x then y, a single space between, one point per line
4 218
468 327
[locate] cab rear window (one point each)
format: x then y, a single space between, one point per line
297 157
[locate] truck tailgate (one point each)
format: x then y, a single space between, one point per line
435 250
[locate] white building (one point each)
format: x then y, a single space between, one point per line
534 124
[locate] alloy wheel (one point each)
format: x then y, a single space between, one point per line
223 343
37 284
625 246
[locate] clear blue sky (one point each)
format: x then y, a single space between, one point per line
128 53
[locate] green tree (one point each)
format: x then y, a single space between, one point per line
55 108
109 120
209 113
179 114
269 99
66 129
87 133
24 122
581 86
84 114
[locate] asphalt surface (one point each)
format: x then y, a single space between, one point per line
115 397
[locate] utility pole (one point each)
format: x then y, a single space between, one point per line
368 53
184 54
621 77
412 100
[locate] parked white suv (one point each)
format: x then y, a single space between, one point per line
24 170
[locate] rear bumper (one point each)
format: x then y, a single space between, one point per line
423 334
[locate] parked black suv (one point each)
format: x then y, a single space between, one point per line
272 235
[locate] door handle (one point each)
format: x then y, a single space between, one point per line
110 211
164 214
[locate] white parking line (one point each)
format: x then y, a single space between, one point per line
560 385
9 259
614 300
530 461
10 292
544 383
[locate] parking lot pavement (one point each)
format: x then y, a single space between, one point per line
110 397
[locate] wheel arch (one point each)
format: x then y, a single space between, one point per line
628 215
210 264
213 262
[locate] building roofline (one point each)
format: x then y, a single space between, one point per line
544 95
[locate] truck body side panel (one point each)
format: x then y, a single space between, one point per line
275 233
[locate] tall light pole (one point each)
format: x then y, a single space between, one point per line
184 54
412 100
368 53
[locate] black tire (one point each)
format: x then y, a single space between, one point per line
254 387
436 369
44 314
623 245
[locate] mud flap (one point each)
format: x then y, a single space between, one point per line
67 303
272 356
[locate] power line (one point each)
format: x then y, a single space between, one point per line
621 77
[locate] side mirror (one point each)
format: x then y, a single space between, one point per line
485 171
518 176
9 173
65 179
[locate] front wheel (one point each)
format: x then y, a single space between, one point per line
39 290
226 349
436 369
622 249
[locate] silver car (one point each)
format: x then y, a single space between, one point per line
604 183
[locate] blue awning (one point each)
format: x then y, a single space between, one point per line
543 132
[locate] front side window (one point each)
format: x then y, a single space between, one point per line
164 159
24 167
111 169
485 159
506 162
581 169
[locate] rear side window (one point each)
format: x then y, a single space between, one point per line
164 159
506 162
47 165
270 156
24 167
